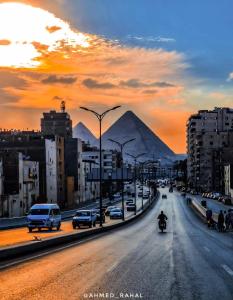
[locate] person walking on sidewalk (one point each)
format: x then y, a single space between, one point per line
221 221
209 216
228 219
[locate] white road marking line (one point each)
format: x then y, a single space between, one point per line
112 267
227 269
206 249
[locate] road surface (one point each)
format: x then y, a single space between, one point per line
189 261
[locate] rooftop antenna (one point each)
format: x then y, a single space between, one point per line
63 106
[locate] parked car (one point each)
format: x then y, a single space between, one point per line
145 196
109 208
164 196
97 212
227 201
85 218
44 216
116 213
131 207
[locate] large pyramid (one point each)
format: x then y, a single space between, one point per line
82 132
130 126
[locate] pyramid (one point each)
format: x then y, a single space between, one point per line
129 126
82 132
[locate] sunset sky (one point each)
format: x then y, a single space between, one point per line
162 59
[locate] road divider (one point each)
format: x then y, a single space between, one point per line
12 252
201 211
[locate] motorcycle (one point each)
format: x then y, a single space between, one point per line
162 225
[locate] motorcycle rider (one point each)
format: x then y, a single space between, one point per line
162 219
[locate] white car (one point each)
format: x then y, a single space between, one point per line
44 216
116 213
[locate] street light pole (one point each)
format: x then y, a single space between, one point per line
135 157
122 145
100 118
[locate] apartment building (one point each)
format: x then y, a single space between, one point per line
208 134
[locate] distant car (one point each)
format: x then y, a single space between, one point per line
109 208
97 212
162 186
115 213
85 218
140 194
145 196
129 201
131 207
44 216
164 196
117 196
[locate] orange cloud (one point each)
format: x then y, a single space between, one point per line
98 73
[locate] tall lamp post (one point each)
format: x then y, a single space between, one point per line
135 157
142 164
122 145
100 118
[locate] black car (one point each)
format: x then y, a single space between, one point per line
131 207
164 196
129 201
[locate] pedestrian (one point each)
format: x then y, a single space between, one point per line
221 221
228 219
231 218
209 216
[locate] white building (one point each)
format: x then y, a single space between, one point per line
28 183
55 175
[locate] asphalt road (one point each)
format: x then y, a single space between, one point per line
189 261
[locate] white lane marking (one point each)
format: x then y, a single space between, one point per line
112 267
206 249
227 269
45 253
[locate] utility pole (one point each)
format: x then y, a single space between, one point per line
100 118
122 145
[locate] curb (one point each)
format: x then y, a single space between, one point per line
12 252
201 211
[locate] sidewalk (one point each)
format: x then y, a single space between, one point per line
214 205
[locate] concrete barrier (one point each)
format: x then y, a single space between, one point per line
8 253
201 211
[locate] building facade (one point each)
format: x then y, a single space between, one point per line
55 171
209 133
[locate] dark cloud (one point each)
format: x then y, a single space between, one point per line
149 92
52 29
162 84
12 79
94 84
53 79
116 61
136 83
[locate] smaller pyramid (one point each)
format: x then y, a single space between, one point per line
80 131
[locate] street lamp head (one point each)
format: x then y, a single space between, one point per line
115 107
82 107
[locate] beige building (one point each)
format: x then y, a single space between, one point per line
207 134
